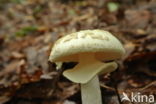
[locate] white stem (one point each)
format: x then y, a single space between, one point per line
90 92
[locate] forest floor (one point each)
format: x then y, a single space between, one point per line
28 29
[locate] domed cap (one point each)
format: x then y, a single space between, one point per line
102 43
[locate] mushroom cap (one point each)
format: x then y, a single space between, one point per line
105 46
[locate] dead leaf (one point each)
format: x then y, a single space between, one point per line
137 18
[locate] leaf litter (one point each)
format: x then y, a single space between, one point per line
30 27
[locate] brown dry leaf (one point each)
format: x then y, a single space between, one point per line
17 55
129 47
136 62
67 89
137 18
12 68
53 102
4 99
137 82
1 40
150 42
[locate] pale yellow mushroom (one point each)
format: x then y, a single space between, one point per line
91 49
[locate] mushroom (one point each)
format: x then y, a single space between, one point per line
94 50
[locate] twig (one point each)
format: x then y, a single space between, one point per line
118 95
129 90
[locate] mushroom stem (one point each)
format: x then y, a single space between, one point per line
90 92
